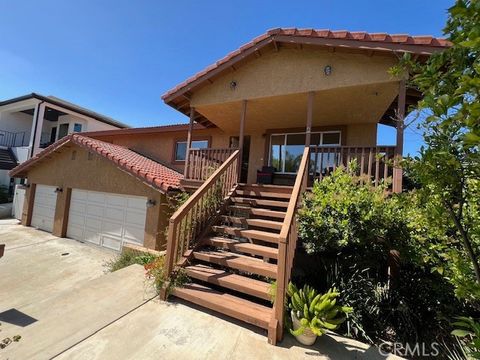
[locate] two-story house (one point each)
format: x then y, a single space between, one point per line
30 123
266 121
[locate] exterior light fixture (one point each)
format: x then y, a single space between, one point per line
233 85
327 70
58 190
151 203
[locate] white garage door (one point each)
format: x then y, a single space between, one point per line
106 219
44 207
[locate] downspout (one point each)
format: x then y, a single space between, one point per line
35 129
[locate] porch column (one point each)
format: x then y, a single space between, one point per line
37 135
241 135
189 143
308 130
397 170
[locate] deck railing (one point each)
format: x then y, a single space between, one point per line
373 163
201 163
287 243
12 139
192 218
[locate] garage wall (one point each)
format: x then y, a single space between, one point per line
73 168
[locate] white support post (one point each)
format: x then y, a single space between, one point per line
38 129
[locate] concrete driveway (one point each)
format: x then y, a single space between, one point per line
55 294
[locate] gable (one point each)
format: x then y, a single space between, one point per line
292 70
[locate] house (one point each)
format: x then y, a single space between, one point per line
31 122
285 109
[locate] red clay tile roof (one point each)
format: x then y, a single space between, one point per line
143 130
424 45
151 172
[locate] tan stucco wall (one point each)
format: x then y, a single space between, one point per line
101 175
160 146
290 71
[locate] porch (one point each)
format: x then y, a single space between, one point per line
269 153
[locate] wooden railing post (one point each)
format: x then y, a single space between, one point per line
287 244
189 143
241 135
188 222
397 171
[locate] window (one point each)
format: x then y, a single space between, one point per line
62 131
181 148
286 150
77 128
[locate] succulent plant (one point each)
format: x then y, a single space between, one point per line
317 312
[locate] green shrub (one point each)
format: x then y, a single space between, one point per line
348 229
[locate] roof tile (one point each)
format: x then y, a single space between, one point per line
147 170
314 33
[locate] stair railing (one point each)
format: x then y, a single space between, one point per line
190 220
286 249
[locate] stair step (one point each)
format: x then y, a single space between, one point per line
259 211
269 224
247 233
239 262
264 194
227 304
259 202
267 188
243 284
243 247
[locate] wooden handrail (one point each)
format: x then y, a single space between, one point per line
375 163
187 222
201 162
286 248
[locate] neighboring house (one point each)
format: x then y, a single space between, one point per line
30 123
287 108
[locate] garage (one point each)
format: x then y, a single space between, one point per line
106 219
44 207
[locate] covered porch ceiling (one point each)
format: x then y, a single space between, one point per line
374 103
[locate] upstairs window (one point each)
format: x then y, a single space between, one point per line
77 128
181 148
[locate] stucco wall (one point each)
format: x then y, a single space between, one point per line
291 71
97 174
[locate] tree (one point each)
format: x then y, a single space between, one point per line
448 168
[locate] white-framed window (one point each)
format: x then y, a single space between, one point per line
181 148
286 149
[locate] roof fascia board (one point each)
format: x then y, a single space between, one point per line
359 44
235 59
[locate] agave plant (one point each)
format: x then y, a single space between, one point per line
468 330
317 312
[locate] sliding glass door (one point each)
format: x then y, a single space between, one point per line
286 149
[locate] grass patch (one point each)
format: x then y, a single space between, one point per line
129 257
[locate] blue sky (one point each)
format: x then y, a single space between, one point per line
118 57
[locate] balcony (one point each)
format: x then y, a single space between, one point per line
373 164
10 139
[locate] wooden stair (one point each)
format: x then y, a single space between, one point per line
232 270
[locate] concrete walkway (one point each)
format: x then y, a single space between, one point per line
159 330
55 294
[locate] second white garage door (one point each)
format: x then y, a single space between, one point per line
44 206
106 219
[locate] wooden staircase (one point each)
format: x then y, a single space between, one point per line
235 240
233 267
